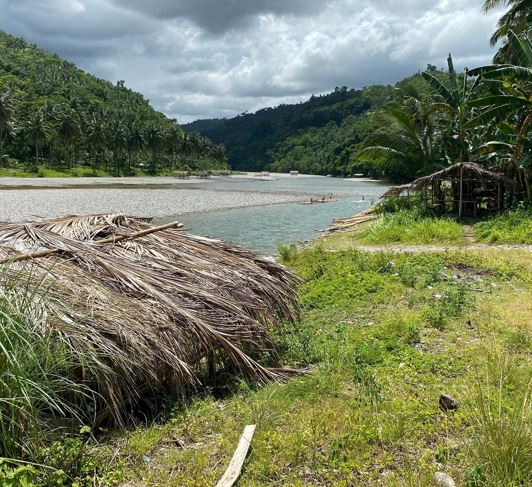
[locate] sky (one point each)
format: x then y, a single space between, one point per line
216 58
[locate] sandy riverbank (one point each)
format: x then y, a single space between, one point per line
21 204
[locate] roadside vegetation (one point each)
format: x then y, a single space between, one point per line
382 336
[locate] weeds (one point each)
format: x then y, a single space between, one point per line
502 442
512 227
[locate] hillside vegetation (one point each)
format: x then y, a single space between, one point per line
254 140
54 115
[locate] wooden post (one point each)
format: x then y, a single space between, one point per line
461 191
235 466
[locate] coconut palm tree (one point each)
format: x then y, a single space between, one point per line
7 113
135 141
517 18
38 130
408 142
95 137
453 99
154 136
69 130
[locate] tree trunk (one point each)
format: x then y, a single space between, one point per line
36 155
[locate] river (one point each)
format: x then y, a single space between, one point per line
248 211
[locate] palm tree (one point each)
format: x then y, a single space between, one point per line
95 139
154 140
119 142
407 143
7 112
453 99
174 137
518 18
38 131
69 130
135 141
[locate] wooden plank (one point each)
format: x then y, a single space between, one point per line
235 465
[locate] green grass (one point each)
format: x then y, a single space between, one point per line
44 172
512 227
408 226
34 377
381 337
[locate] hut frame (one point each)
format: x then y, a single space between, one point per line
466 186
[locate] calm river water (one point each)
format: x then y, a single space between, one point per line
244 210
263 228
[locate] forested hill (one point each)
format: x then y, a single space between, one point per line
54 115
253 141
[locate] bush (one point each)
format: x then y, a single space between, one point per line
512 227
411 227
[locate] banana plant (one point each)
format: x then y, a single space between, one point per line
509 108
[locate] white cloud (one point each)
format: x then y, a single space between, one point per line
204 58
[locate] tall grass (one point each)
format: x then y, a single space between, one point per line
501 445
411 227
34 376
513 227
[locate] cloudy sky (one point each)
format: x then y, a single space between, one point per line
214 58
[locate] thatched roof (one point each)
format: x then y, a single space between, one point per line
472 170
148 311
396 190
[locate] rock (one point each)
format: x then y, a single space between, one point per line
443 480
447 403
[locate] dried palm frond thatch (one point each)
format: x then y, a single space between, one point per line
150 311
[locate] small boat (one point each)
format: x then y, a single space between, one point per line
294 173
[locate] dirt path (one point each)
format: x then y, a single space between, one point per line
434 248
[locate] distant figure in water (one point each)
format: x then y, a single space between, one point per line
363 197
330 196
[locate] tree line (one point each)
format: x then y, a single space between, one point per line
54 115
482 115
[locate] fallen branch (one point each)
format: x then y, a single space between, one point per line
235 466
113 239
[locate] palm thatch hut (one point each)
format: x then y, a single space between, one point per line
465 188
144 309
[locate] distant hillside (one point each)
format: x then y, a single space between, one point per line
54 114
250 139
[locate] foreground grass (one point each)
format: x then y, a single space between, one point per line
381 337
513 227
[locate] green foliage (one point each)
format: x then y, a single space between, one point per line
314 136
54 114
411 227
501 430
512 227
34 370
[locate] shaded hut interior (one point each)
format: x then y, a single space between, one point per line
465 189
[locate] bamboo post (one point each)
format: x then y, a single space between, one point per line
117 238
461 191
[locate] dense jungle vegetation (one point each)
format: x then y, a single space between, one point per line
254 140
424 123
55 116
